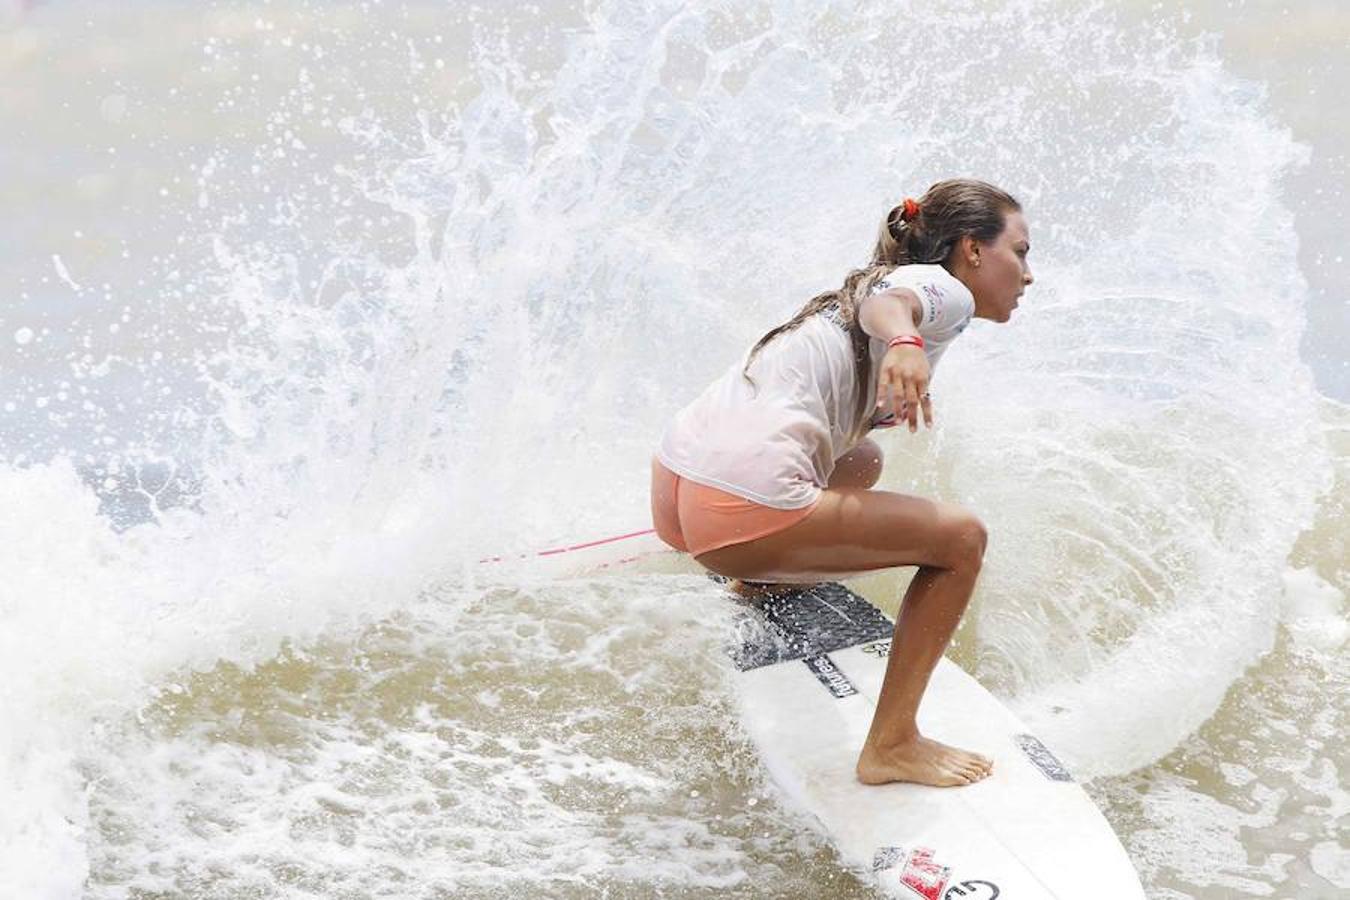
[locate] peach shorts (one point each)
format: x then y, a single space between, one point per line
696 518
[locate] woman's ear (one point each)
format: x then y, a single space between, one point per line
970 250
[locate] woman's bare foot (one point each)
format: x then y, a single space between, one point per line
922 761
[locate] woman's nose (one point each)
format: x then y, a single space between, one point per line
1027 277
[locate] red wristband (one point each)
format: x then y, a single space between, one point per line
912 339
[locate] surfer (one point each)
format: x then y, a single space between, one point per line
768 475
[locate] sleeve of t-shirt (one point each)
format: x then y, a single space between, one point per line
945 306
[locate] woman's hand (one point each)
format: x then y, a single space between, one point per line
903 385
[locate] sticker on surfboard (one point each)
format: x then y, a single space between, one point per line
830 675
1042 758
917 873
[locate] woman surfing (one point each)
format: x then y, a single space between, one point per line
768 475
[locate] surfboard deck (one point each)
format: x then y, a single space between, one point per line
810 664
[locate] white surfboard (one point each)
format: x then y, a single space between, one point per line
811 664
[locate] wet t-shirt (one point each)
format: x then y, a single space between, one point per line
775 441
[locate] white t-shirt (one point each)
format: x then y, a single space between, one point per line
775 442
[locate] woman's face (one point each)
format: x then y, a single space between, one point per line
997 272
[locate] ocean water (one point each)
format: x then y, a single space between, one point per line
309 308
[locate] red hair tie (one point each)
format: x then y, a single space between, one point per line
911 210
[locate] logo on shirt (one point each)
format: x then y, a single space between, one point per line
935 300
834 314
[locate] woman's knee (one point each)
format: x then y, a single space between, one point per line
965 539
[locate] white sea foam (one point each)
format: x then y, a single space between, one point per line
363 766
1198 839
1330 860
1314 611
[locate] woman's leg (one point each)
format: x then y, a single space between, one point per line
858 468
855 530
